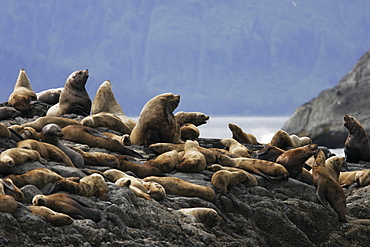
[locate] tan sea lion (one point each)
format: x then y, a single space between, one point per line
165 162
294 159
30 133
282 139
39 123
93 138
207 216
177 186
108 120
327 189
223 180
50 96
23 93
196 118
123 139
356 146
74 97
165 147
334 165
236 148
192 160
360 178
105 101
140 170
51 134
156 121
242 137
38 177
46 150
18 156
97 158
55 218
264 168
7 203
7 112
189 132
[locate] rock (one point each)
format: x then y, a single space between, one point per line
322 118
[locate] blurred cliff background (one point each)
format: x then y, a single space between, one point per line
231 57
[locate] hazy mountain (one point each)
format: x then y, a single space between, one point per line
223 57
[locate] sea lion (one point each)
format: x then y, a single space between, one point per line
196 118
282 139
105 101
18 156
156 121
177 186
189 132
23 93
360 178
223 180
7 203
207 216
51 134
91 185
242 137
123 139
294 159
93 138
165 147
7 112
264 168
74 97
165 162
46 150
140 170
39 123
327 189
97 158
38 177
270 153
55 218
192 160
236 148
108 120
50 96
356 146
334 166
10 189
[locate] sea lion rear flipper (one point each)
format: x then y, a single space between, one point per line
130 152
15 135
8 184
94 132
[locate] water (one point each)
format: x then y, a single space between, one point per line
263 128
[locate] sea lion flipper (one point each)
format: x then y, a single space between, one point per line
8 184
94 132
15 135
320 193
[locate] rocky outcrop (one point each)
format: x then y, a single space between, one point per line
274 213
322 118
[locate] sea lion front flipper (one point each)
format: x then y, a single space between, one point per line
320 193
8 184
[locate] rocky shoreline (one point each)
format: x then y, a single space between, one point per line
274 213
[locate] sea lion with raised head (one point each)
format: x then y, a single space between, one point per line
74 97
196 118
156 121
105 101
23 93
356 146
327 189
207 216
241 136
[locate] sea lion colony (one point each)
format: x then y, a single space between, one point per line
149 169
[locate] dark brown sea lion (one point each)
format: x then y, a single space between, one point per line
282 139
327 189
140 170
156 122
50 96
196 118
23 93
270 153
74 97
7 112
356 146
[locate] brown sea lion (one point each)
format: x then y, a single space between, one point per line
196 118
18 156
192 160
105 101
334 166
360 178
294 159
108 120
356 146
165 147
241 136
51 134
282 139
123 139
236 148
30 133
55 218
9 133
140 170
189 132
38 177
93 138
46 150
50 96
207 216
97 158
264 168
7 112
327 189
23 93
165 162
74 97
39 123
156 121
177 186
7 203
270 153
9 188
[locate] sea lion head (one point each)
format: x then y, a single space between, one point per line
50 132
155 190
351 124
78 79
170 100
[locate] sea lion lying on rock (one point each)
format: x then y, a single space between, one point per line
207 216
55 218
108 120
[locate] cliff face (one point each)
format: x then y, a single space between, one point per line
222 57
322 117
